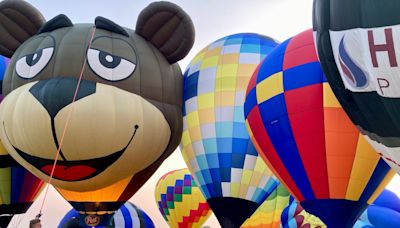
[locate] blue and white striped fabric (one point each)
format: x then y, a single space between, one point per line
128 216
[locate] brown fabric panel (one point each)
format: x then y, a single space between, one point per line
168 28
35 18
175 46
18 21
5 51
10 25
149 22
21 21
172 85
167 33
7 42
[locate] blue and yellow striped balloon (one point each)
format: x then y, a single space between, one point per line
215 143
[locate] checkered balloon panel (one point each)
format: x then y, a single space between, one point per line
215 143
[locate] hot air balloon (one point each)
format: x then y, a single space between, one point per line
3 66
306 138
358 46
128 216
361 224
106 99
295 216
18 187
215 144
98 206
180 200
268 215
383 212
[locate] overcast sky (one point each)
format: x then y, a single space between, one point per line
215 19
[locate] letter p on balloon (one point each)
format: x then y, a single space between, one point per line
383 83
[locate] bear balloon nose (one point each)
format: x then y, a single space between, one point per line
57 93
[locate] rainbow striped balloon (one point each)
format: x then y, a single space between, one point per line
180 200
268 215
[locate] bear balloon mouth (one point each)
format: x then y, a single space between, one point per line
73 170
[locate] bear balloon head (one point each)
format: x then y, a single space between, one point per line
126 116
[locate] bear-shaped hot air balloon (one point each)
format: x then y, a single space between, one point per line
124 88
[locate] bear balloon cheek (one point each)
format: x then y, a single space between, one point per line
107 130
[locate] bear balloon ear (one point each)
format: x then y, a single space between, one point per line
168 28
19 21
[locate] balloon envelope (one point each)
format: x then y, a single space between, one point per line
302 132
180 200
215 143
358 46
128 216
3 67
384 212
18 187
268 215
295 216
102 202
124 87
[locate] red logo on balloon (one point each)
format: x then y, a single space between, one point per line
92 220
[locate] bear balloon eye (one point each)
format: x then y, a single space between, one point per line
108 66
30 65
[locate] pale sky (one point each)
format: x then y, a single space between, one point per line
213 19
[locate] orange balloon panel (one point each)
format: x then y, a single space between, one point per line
104 200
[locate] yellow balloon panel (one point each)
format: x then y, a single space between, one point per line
180 201
268 215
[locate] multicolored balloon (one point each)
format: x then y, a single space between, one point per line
180 200
268 215
306 138
295 216
128 216
18 187
358 46
215 143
